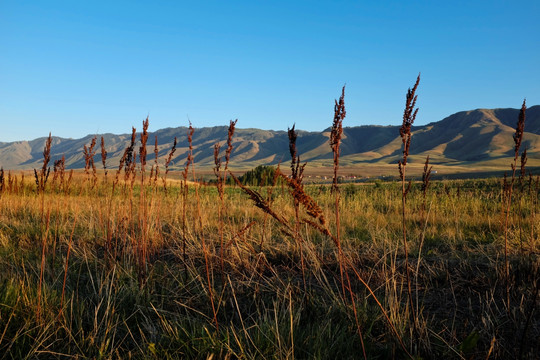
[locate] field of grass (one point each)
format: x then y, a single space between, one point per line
110 269
139 262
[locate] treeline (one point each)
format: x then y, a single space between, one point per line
262 175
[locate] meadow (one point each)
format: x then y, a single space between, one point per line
137 261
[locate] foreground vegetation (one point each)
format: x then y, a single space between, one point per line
103 274
133 263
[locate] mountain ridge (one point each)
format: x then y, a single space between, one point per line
480 136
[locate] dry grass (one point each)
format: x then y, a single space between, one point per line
127 269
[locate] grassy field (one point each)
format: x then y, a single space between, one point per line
119 269
141 262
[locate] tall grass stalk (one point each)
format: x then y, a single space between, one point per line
142 244
409 115
104 159
185 190
220 185
89 153
518 138
199 224
335 140
43 176
168 162
297 174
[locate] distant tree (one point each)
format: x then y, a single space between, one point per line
262 175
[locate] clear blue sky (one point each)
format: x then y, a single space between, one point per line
81 67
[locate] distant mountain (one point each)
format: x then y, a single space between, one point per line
470 137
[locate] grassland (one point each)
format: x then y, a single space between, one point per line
142 262
130 270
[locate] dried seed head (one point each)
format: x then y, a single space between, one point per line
409 115
171 153
408 188
523 162
336 132
292 144
337 124
426 175
89 153
297 170
520 128
400 167
189 159
41 180
103 155
217 159
261 203
144 140
156 151
129 150
230 133
298 193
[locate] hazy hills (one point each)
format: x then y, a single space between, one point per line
478 137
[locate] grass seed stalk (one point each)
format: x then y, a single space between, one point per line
409 115
508 189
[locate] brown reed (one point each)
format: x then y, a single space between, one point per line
9 182
185 188
409 115
228 151
523 162
142 149
120 167
297 172
520 129
104 157
220 184
220 190
89 153
59 172
156 164
335 140
508 189
167 163
199 222
131 156
189 160
56 171
68 182
426 177
1 180
217 169
336 133
142 245
260 202
41 179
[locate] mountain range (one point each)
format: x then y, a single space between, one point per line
481 137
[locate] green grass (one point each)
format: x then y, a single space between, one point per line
120 305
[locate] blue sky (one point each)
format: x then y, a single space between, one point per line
81 67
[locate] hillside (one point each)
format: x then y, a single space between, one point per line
479 137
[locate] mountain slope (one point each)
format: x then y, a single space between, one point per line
468 137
